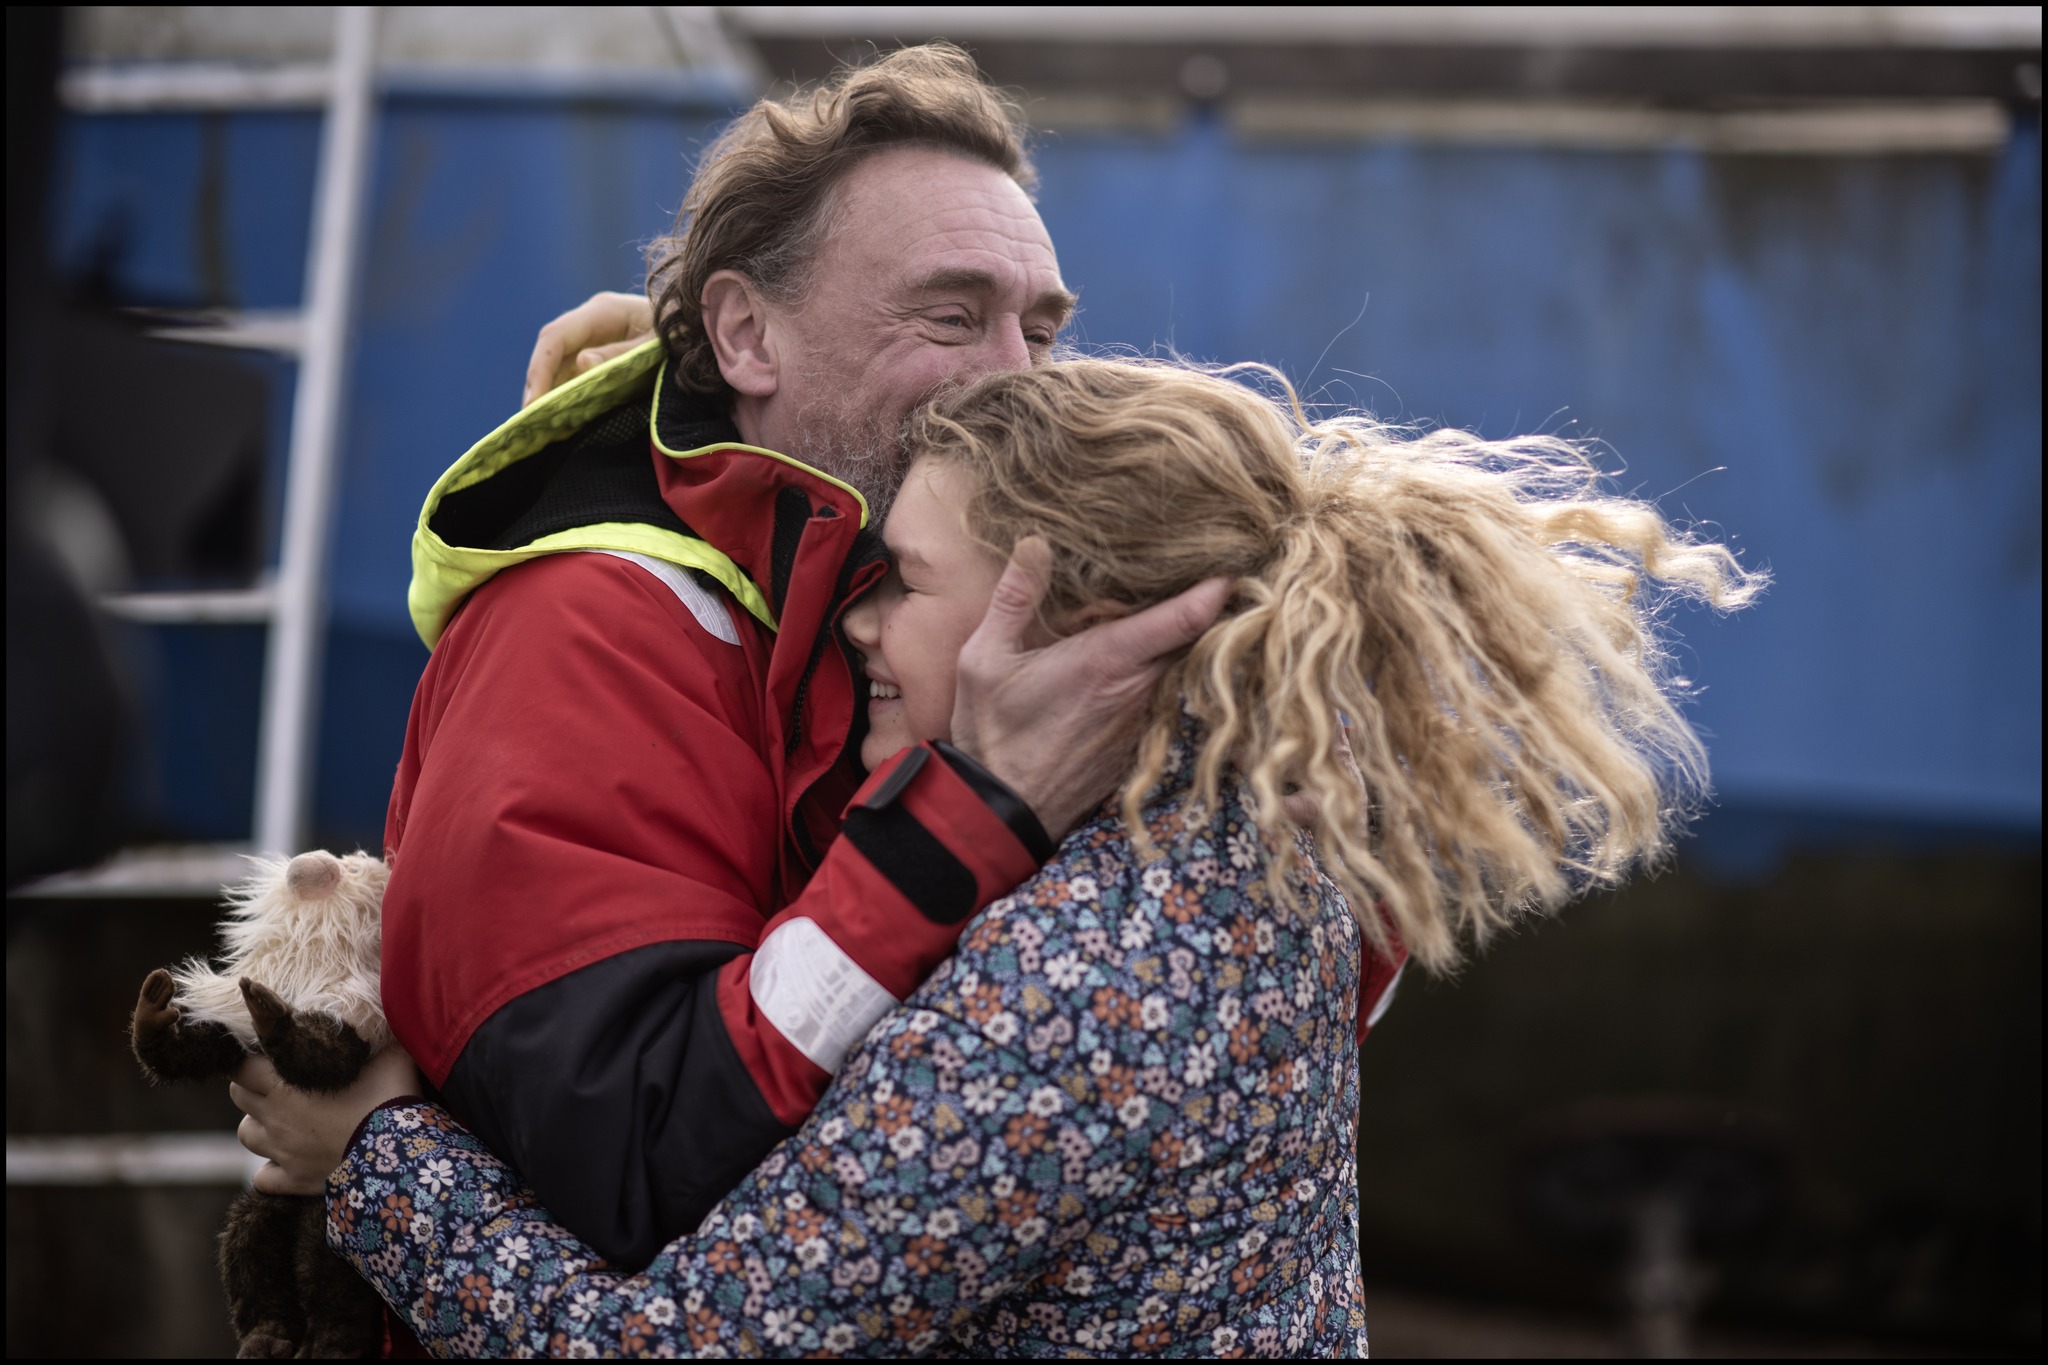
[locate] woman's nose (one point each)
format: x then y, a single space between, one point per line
863 621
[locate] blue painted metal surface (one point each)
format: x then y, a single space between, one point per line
1833 362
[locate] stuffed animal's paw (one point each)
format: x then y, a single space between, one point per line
269 1014
311 1050
169 1047
154 1011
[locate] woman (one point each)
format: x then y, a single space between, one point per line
1123 1117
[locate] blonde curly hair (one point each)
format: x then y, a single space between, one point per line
1484 614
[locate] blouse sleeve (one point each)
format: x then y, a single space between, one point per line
942 1170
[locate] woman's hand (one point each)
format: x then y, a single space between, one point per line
304 1135
583 338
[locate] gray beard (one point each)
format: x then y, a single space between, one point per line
855 447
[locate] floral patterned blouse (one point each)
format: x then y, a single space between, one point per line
1121 1119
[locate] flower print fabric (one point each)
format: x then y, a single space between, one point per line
1121 1119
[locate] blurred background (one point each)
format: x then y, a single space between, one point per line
271 270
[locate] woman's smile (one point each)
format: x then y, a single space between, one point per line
885 704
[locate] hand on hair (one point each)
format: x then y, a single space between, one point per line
1060 724
603 326
302 1135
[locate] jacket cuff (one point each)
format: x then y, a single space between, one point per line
933 832
1009 807
922 851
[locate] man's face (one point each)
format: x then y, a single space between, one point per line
935 271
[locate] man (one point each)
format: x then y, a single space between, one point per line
622 935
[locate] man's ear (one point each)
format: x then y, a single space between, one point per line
742 333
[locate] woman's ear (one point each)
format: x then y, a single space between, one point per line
742 334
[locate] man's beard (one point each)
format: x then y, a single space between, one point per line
856 447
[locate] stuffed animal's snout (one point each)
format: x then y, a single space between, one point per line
313 875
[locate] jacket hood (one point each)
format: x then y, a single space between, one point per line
706 509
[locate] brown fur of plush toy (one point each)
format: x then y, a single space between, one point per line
299 984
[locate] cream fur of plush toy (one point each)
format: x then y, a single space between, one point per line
309 930
297 982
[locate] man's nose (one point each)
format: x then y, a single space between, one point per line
1005 350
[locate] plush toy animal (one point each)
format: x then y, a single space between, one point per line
298 983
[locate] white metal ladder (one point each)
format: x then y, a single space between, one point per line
292 601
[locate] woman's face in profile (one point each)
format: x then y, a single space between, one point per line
909 630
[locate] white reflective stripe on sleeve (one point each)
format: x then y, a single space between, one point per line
1386 998
814 993
711 613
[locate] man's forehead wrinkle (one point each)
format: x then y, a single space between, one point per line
975 279
944 232
957 277
988 225
918 258
976 259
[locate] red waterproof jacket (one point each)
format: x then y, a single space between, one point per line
620 934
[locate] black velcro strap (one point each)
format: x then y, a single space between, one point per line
914 861
893 785
897 845
1009 807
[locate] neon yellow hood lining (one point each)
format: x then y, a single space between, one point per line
443 574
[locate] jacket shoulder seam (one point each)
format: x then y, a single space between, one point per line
709 611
